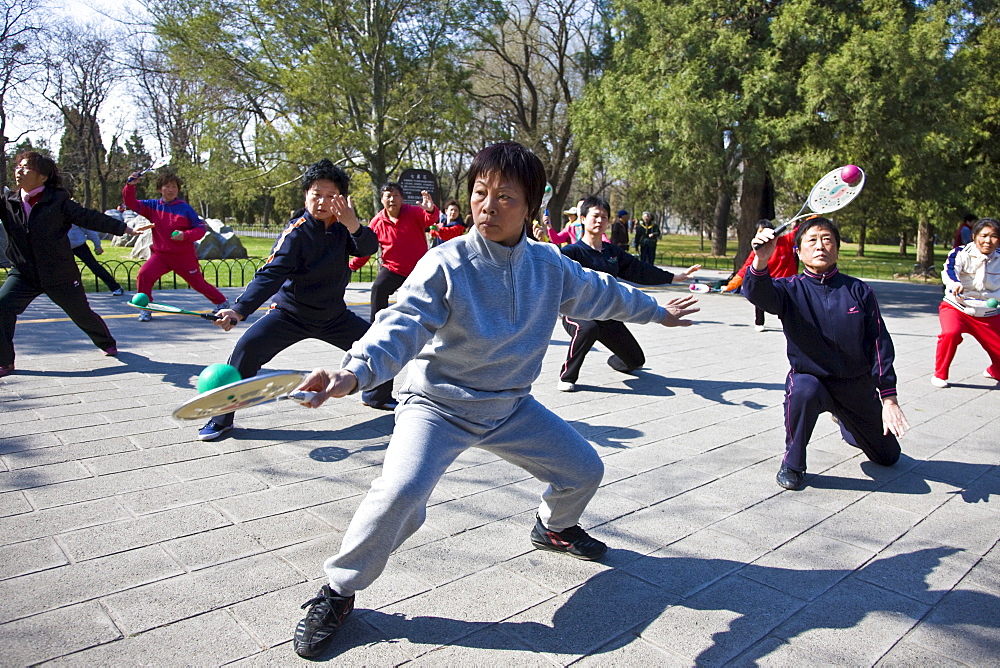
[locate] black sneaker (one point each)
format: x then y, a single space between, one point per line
327 611
617 364
790 478
574 541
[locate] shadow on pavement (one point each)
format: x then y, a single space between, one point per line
613 608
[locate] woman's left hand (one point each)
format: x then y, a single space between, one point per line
343 209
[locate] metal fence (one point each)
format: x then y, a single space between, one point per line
237 273
220 273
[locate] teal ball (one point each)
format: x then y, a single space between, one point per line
991 302
140 299
217 375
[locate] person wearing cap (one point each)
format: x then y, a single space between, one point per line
570 231
619 231
647 232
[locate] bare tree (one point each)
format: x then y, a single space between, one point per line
530 68
81 73
20 29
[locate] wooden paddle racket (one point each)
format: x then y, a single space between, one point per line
243 394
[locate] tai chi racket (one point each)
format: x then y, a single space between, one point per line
834 191
971 306
162 162
243 394
166 308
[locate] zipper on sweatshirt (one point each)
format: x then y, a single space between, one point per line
513 288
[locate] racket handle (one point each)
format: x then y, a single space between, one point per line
213 318
301 396
777 232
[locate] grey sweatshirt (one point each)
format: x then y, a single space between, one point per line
476 317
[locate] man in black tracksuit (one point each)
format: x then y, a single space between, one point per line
308 270
840 353
37 214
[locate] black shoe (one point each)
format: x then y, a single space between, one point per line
574 541
790 479
326 614
388 405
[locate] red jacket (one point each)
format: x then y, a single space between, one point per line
167 218
403 242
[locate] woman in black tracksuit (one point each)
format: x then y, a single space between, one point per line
308 270
37 215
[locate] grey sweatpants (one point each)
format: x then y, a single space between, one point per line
424 443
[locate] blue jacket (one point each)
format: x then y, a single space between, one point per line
832 324
308 270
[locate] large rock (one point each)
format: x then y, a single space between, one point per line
220 242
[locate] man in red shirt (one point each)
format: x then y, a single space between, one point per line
400 231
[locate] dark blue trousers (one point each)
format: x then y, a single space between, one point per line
855 404
278 330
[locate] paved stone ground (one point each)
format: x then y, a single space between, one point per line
126 541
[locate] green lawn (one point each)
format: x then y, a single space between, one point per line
673 250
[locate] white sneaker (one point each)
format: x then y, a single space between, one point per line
759 328
986 374
937 382
219 307
563 386
145 316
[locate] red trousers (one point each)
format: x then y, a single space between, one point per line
954 324
184 265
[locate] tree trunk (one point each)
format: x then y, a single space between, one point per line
268 205
925 246
723 204
751 205
902 243
862 236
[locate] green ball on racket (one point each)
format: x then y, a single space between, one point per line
175 234
217 375
140 299
991 303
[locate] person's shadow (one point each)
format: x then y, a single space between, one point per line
648 384
173 373
637 594
911 476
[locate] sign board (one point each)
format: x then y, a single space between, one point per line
413 181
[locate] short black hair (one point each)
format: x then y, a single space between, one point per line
765 224
986 222
454 202
970 218
594 201
164 178
511 160
42 164
325 170
390 186
816 221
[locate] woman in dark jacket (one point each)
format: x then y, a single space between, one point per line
36 215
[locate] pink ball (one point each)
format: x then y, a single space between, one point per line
850 174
